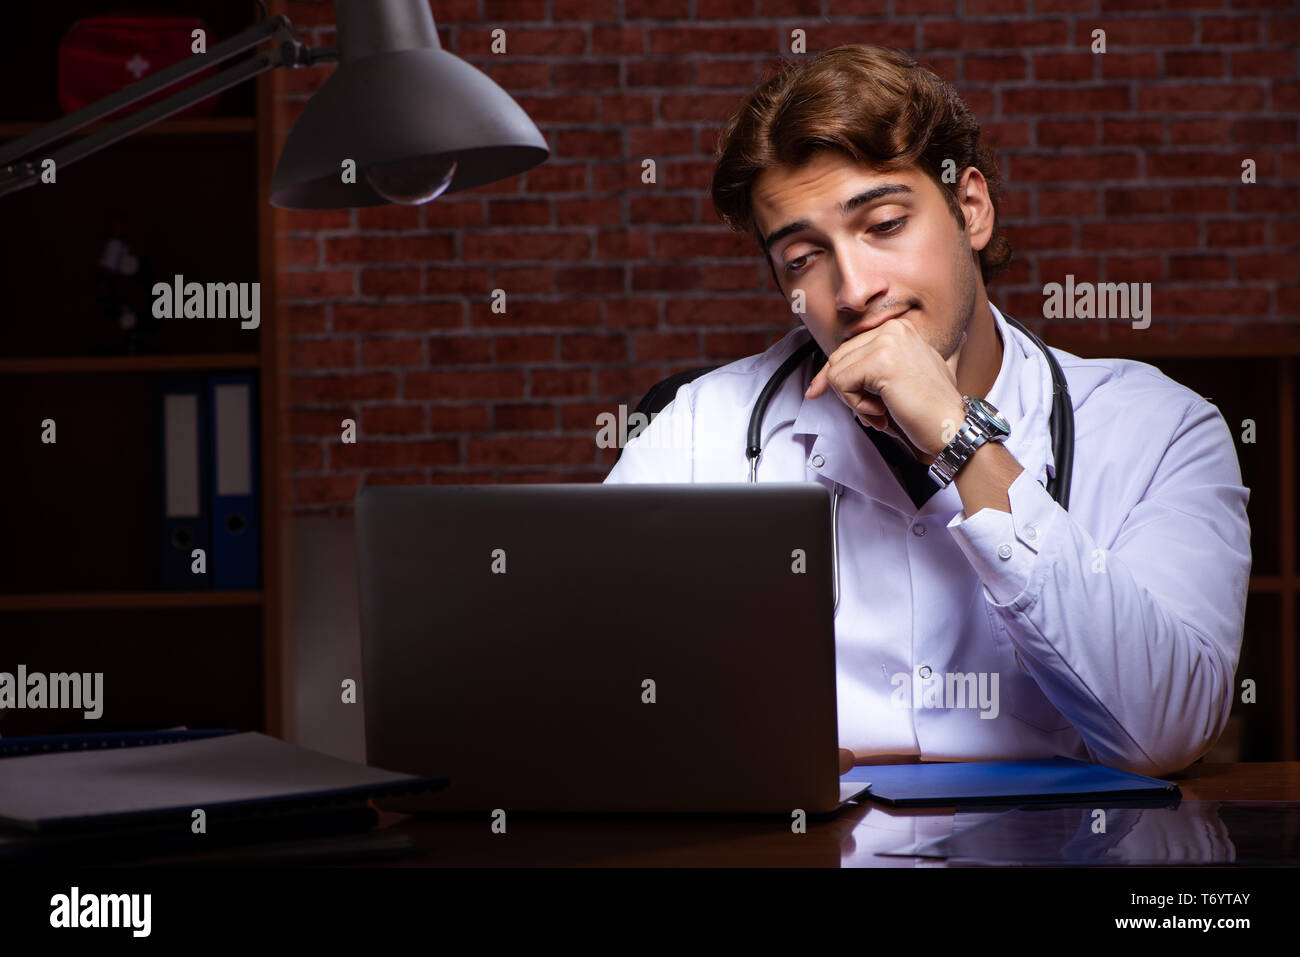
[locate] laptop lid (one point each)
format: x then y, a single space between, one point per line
602 648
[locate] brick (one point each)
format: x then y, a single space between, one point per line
729 346
390 217
323 353
1063 203
387 317
1200 268
305 320
334 388
299 251
522 280
524 417
580 74
314 220
380 420
651 346
306 457
320 284
325 490
525 348
513 245
1058 101
1201 98
388 249
454 213
456 282
319 422
388 352
593 348
561 382
1276 267
391 282
539 451
457 418
519 212
405 477
459 350
592 211
589 280
394 453
464 385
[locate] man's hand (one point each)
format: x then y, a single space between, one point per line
846 761
895 381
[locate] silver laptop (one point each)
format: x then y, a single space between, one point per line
602 648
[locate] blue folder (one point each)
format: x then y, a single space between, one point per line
943 784
233 459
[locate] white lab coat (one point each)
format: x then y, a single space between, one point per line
1114 629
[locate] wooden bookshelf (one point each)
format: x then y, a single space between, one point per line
78 578
197 126
63 601
160 363
1249 378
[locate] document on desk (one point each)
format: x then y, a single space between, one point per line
232 776
939 784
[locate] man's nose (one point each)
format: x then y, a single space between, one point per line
858 283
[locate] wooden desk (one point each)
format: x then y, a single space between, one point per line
850 838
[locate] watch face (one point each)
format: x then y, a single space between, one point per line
993 415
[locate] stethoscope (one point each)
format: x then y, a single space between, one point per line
1062 425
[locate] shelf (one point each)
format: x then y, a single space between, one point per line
216 125
141 363
65 601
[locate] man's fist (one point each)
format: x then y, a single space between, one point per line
846 761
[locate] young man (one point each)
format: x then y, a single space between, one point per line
978 619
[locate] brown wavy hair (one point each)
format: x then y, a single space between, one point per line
876 105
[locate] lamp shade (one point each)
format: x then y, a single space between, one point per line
404 111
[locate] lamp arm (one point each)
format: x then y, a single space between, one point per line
16 174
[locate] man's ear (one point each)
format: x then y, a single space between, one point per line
976 207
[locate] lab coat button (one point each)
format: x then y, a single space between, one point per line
918 529
1030 532
923 671
1004 551
818 461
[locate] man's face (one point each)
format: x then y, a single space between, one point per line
900 249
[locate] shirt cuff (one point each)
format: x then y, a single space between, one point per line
1002 547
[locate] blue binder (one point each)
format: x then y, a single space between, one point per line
236 525
941 784
184 520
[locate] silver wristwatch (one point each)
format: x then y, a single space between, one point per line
983 423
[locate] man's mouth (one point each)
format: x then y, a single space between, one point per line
870 324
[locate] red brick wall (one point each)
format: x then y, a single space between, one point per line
1123 167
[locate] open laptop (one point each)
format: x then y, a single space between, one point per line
603 648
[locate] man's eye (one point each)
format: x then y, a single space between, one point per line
896 224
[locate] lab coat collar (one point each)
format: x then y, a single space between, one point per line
1022 392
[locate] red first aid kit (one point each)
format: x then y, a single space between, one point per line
100 55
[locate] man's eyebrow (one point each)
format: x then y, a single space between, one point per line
868 196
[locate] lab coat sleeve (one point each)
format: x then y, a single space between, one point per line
663 450
1136 644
